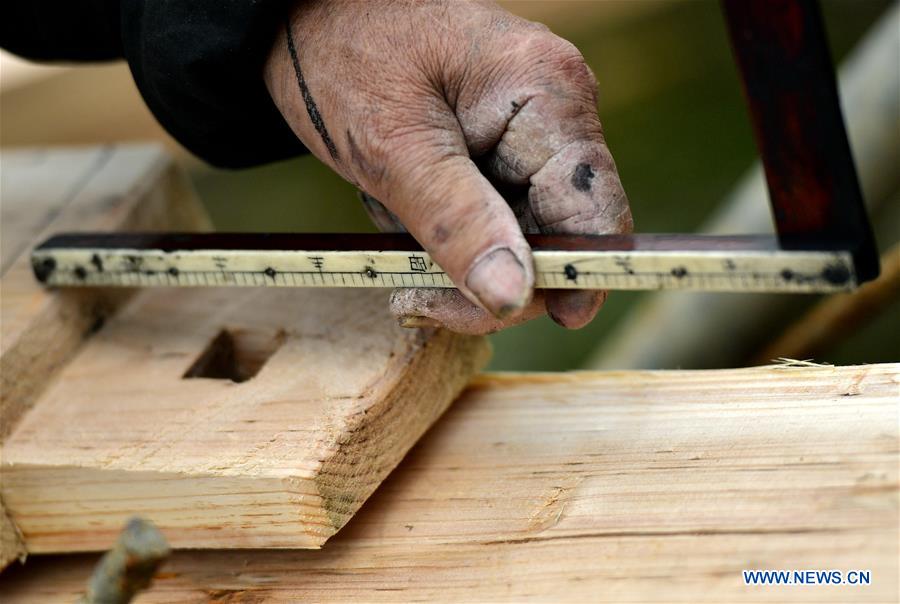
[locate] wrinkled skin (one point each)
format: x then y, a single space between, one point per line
433 108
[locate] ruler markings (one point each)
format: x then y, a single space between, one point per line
587 280
739 270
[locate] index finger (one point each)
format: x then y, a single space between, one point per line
554 142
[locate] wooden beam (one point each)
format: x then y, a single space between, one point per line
618 486
45 191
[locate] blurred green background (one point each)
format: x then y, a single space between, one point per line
671 106
670 102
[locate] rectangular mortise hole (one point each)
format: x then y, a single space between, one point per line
236 354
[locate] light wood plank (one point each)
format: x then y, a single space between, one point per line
48 190
12 546
619 486
280 460
36 185
45 191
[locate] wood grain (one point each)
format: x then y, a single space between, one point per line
282 459
47 190
12 546
147 415
617 486
44 191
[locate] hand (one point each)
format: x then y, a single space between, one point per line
434 107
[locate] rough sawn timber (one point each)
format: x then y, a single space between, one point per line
282 459
142 413
119 187
604 486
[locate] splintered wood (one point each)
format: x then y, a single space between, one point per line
625 486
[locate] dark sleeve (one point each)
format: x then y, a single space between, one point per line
197 63
61 31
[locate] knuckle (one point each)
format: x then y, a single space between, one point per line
389 145
413 122
559 56
546 65
397 134
367 156
442 223
570 66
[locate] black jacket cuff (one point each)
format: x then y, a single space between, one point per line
199 66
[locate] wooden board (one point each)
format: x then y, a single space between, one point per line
146 416
129 187
619 486
11 543
282 459
47 190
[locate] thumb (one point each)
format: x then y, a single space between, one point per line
466 226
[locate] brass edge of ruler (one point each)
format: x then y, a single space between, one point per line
705 270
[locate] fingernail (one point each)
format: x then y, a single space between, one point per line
573 309
500 283
413 321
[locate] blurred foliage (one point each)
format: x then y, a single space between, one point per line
671 105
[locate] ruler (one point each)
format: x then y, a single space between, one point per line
614 262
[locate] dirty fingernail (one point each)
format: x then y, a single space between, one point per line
573 309
414 321
500 283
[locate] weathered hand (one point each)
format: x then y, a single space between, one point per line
431 107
